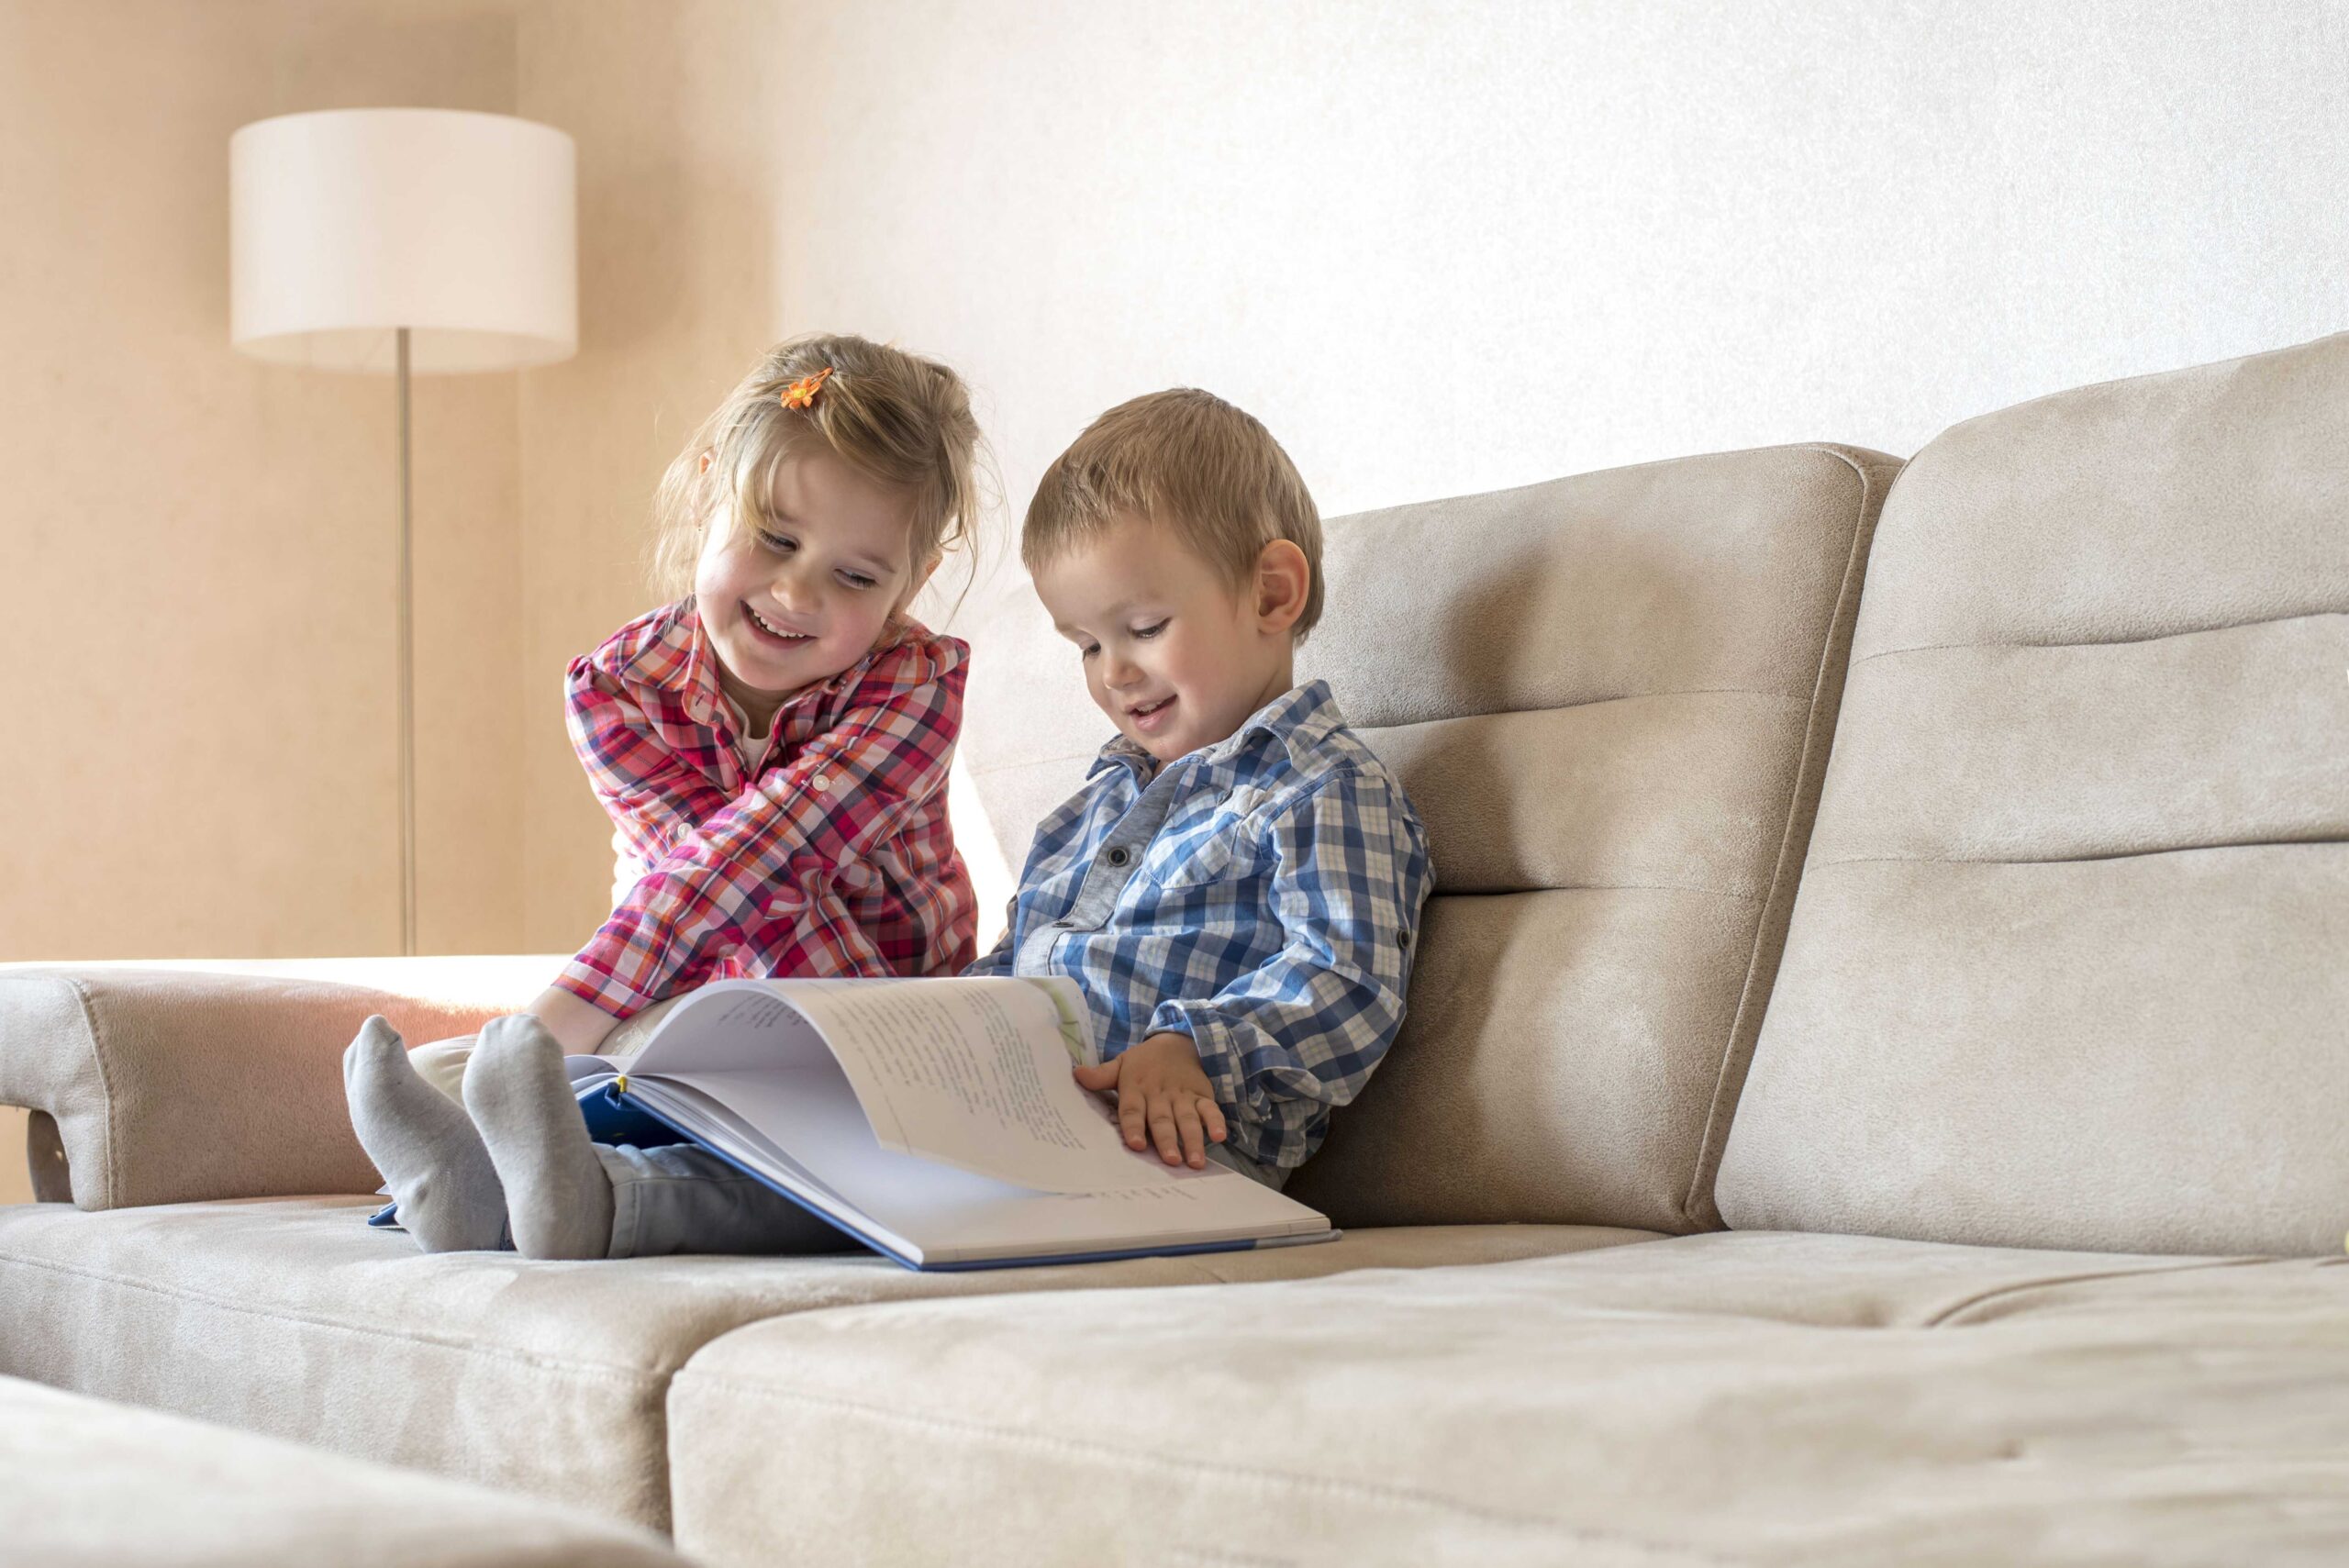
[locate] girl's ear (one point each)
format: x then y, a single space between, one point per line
920 581
707 454
1284 582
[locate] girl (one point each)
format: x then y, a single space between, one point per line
772 748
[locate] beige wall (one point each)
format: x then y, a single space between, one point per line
199 546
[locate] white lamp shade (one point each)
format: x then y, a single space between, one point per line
350 223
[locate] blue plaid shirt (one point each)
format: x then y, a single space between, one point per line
1261 895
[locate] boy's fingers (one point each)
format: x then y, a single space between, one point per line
1161 1130
1130 1121
1212 1115
1104 1076
1195 1143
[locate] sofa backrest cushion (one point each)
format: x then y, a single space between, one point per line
2069 965
1607 697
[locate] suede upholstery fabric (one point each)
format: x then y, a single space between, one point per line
86 1484
291 1316
2070 963
1748 1400
1609 698
172 1086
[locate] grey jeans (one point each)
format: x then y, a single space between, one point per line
682 1198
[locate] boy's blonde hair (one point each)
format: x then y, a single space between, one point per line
895 417
1190 461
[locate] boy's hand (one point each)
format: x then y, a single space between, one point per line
1163 1096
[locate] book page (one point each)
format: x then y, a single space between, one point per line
733 1025
975 1073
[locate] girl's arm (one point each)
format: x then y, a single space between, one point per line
578 1026
850 789
653 797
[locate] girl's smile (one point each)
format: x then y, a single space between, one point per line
775 634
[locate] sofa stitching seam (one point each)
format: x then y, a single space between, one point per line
603 1370
1600 887
2105 641
1258 1476
2075 859
1790 699
1983 1298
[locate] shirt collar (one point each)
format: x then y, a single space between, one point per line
1300 718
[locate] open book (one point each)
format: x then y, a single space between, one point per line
935 1120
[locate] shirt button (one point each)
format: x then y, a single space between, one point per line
1118 856
820 783
1403 938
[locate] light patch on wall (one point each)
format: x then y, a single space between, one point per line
992 877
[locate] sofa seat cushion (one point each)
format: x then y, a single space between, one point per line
290 1316
1752 1399
85 1481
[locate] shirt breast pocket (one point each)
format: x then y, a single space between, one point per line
1222 850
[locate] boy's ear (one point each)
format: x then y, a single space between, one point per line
1284 582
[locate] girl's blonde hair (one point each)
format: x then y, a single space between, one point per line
895 417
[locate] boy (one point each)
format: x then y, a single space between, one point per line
1237 887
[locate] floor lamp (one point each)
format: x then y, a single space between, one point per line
403 242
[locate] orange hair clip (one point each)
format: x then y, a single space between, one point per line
801 393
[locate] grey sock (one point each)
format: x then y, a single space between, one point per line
439 1170
557 1196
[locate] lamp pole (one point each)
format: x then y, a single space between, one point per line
408 677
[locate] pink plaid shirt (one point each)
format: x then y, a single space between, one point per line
832 856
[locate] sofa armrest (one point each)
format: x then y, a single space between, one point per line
156 1085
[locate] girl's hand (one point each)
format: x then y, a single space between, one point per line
1163 1096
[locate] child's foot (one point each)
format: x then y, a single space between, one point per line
557 1196
439 1170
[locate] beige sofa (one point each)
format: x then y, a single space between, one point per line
1932 1151
88 1484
